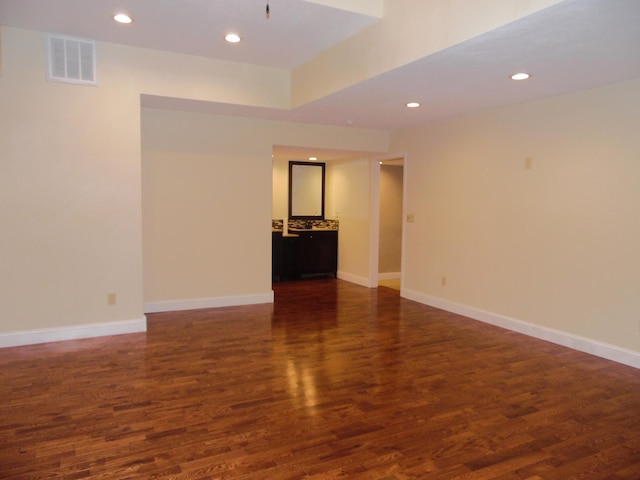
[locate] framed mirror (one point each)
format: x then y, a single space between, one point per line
306 190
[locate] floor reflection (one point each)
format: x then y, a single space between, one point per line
322 334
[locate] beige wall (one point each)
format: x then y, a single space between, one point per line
555 245
69 193
70 189
280 178
208 199
351 195
206 196
390 246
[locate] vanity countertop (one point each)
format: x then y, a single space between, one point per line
313 229
287 234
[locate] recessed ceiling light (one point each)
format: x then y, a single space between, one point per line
122 18
519 76
413 104
313 159
232 38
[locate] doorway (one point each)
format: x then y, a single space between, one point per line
390 224
387 197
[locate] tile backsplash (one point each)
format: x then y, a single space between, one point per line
306 224
326 224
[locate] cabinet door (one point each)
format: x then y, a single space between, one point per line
276 256
290 248
318 253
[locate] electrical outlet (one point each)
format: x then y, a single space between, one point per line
410 218
527 163
444 281
111 298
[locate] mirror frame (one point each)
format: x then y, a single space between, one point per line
292 163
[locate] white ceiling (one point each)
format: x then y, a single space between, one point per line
572 46
295 32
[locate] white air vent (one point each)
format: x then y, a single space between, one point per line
72 60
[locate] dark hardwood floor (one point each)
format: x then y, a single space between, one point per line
332 381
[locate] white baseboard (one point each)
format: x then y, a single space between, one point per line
576 342
364 281
389 276
212 302
75 332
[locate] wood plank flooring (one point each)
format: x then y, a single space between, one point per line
332 381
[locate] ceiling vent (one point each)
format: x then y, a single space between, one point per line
72 60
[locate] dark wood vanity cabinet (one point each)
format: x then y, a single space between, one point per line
304 253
